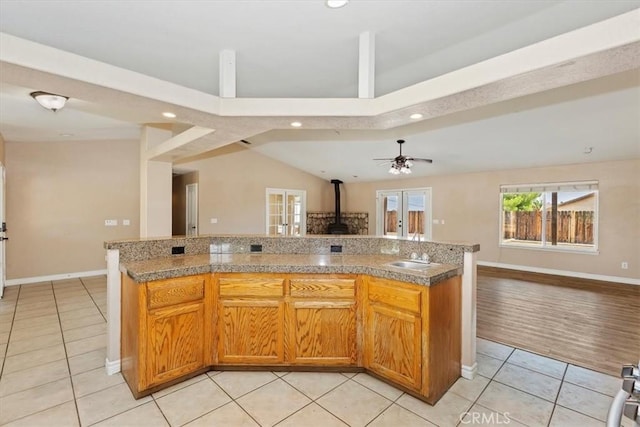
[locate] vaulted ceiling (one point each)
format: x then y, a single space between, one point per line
499 84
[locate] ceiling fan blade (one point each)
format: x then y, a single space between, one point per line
419 160
387 160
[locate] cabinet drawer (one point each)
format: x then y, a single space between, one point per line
163 293
395 294
325 288
251 287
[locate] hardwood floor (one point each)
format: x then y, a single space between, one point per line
588 323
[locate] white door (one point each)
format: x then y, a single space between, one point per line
191 228
286 212
3 229
404 213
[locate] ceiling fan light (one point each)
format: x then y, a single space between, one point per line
49 101
405 169
394 169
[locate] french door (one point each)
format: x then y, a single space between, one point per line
286 212
404 213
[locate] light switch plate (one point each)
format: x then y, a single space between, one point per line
110 222
214 220
126 222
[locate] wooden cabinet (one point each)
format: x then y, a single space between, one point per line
250 325
393 338
166 330
322 321
412 334
408 335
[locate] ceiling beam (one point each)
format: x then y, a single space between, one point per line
228 73
176 142
367 65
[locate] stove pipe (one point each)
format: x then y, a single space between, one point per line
337 227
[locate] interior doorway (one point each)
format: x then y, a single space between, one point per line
191 213
184 209
404 213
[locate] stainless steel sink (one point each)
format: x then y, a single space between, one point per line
412 265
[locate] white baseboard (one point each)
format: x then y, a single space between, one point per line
469 372
112 367
616 279
27 280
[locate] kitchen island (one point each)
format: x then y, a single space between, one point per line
182 315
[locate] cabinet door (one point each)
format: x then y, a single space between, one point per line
250 318
322 321
393 344
323 333
393 339
251 331
175 344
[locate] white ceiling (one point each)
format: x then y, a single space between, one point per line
302 49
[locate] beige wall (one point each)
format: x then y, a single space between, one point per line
58 196
469 204
179 202
232 188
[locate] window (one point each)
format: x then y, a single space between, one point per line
404 213
556 216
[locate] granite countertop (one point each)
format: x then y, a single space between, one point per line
374 265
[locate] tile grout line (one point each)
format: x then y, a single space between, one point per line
475 402
6 350
64 345
92 300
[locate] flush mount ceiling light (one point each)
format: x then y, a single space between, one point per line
336 4
169 115
49 101
296 124
415 116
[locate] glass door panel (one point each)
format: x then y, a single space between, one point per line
286 212
404 213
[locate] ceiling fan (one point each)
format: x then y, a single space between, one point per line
402 164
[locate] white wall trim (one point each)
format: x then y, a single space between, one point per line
112 366
616 279
27 280
469 372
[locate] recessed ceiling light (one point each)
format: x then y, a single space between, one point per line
336 4
169 115
66 135
296 124
415 116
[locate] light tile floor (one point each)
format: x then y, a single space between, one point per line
52 353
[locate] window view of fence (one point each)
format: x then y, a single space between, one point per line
559 216
573 226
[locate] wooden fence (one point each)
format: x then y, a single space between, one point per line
416 222
573 226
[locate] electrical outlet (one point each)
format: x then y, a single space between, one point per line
126 222
624 265
110 222
214 220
